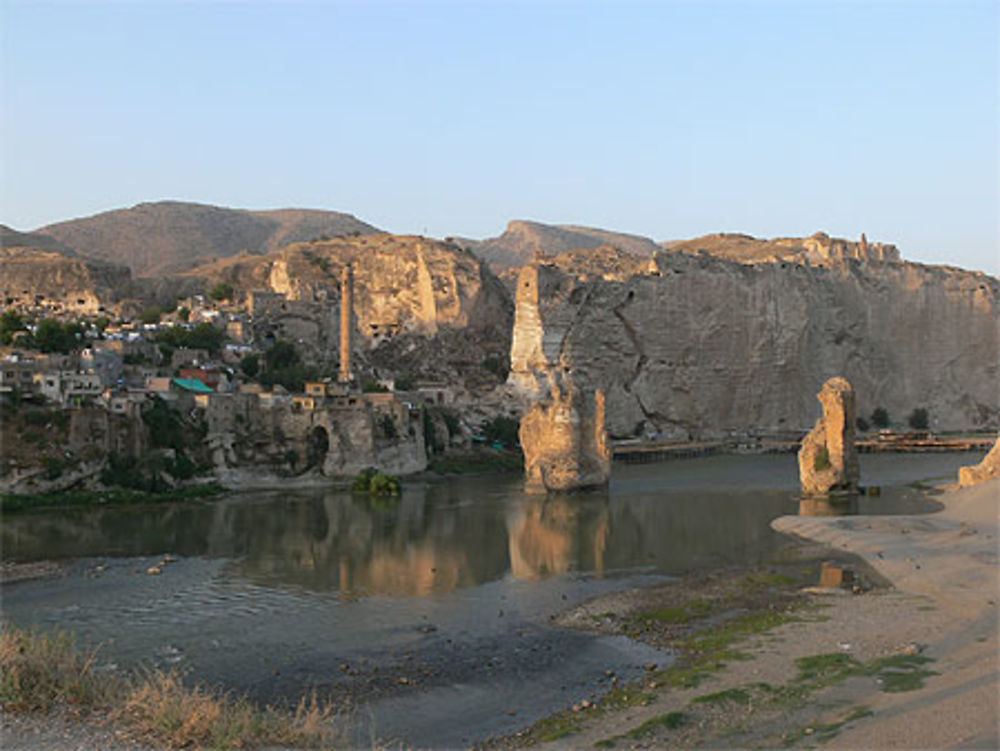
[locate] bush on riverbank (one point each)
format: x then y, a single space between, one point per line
42 672
11 503
377 484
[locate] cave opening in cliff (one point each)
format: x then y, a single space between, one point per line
317 444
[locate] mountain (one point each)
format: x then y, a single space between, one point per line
11 238
523 240
170 236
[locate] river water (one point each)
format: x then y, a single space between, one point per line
433 606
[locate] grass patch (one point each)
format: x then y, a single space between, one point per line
40 672
823 732
669 721
685 613
729 696
556 726
900 673
623 697
11 503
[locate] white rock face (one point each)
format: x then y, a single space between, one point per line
704 347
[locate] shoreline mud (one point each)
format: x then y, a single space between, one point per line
907 660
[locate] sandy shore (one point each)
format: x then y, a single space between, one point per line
940 609
950 558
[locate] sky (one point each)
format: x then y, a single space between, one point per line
665 119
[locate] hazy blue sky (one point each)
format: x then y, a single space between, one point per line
664 119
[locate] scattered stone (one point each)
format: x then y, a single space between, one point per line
835 576
154 570
650 666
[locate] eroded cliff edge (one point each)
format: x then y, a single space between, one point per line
699 346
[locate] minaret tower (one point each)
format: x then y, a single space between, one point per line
346 308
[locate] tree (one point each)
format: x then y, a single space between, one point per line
151 315
52 336
880 418
919 419
281 354
250 365
184 314
222 291
10 322
862 424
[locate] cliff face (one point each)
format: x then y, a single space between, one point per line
701 346
78 284
401 283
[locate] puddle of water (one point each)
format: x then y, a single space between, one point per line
452 587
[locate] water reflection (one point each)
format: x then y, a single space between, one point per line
455 533
831 506
554 535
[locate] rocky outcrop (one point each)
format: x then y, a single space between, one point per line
702 348
987 469
827 461
72 284
564 440
817 249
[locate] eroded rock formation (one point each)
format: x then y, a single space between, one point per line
987 469
827 461
77 285
697 347
564 440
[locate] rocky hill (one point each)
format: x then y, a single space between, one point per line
11 238
523 240
76 284
704 347
818 248
169 236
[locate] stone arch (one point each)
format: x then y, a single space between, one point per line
317 446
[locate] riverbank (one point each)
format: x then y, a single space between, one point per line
16 503
911 665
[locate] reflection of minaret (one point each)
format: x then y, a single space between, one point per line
346 291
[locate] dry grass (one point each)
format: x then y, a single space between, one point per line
40 672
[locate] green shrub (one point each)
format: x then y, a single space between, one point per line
221 291
919 419
862 424
503 430
880 418
377 484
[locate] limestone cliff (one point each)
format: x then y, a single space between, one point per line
817 249
704 347
827 461
987 469
77 284
564 440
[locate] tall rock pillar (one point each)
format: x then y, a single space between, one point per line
346 311
565 442
827 460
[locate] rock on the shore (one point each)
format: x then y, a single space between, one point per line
565 442
987 469
827 460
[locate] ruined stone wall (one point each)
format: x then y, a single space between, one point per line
704 347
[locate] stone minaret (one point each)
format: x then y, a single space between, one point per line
346 306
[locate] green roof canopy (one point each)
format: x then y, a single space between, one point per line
192 384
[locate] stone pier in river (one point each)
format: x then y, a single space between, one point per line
565 441
827 460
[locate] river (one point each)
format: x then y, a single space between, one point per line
435 605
